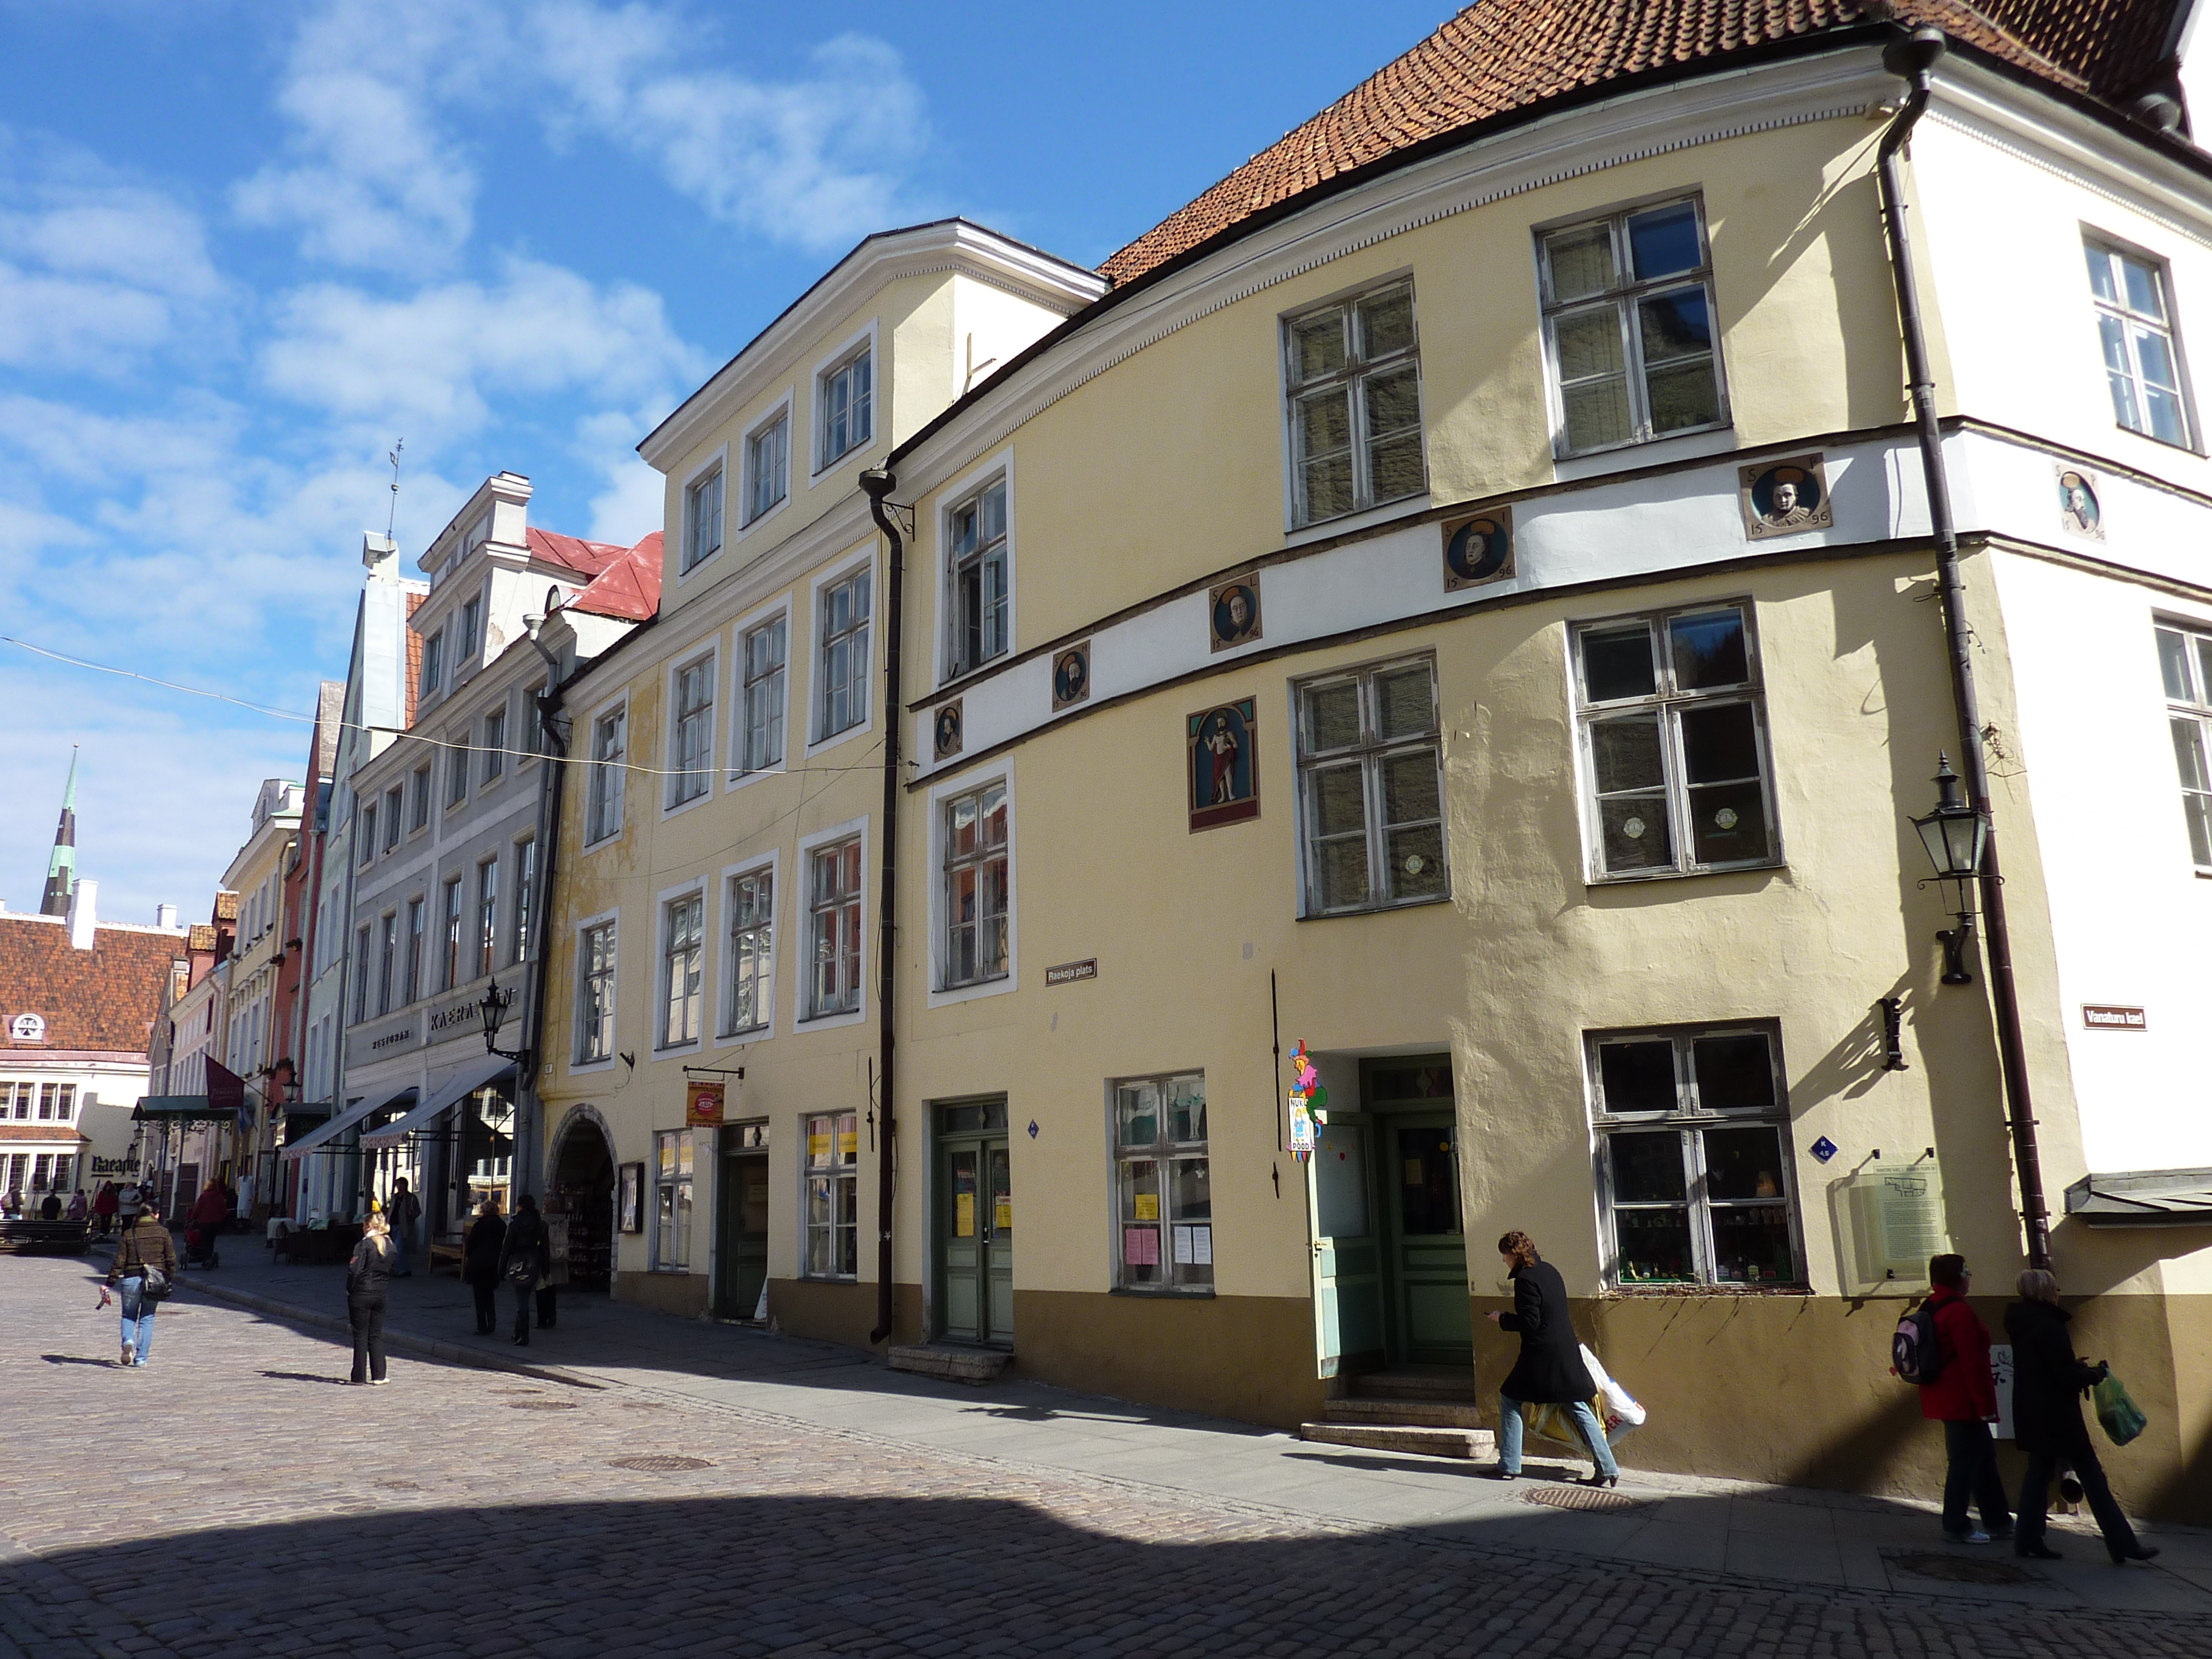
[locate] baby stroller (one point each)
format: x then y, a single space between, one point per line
199 1245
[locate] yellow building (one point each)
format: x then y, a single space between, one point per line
1479 616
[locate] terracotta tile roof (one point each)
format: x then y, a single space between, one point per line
104 1000
584 558
630 585
1503 55
413 655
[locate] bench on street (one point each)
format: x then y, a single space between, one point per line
28 1235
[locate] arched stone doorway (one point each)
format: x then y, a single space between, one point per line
583 1187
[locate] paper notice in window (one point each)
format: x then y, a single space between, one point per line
1182 1246
1148 1208
1140 1246
1002 1215
1201 1247
964 1216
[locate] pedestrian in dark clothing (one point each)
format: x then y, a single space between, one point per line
2047 1384
522 1263
209 1211
51 1210
145 1244
481 1253
1963 1398
103 1208
1550 1369
368 1275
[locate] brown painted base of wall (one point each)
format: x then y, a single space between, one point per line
683 1294
841 1313
1250 1358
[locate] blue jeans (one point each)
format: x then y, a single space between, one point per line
399 1252
137 1317
1970 1474
1509 1432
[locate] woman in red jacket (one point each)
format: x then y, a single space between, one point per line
1963 1398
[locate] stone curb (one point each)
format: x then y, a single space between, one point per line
451 1353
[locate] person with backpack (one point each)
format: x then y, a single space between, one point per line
146 1267
522 1262
2048 1382
1944 1347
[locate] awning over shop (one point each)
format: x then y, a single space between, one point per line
2143 1198
465 1080
183 1108
361 1109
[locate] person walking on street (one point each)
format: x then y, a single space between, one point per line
367 1276
2047 1384
145 1247
405 1210
209 1211
1963 1397
128 1203
77 1205
522 1262
103 1208
1550 1368
481 1254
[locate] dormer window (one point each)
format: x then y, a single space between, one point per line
848 403
703 519
433 662
471 633
768 466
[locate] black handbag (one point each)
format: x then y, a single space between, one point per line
153 1284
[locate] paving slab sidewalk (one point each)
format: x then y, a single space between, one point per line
1828 1540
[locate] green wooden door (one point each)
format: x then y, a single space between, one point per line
1347 1254
743 1242
1432 1321
974 1242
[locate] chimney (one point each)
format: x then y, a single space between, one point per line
165 916
81 913
381 556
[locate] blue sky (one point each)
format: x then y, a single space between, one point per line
243 247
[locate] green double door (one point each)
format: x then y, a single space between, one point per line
975 1224
742 1244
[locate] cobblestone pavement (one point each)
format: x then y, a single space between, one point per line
235 1498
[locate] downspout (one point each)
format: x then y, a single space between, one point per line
877 483
1913 59
549 800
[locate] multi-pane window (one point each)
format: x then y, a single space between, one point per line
595 994
1693 1158
768 466
761 739
367 852
1353 371
387 961
457 768
413 983
1673 742
683 967
691 740
975 886
533 727
848 405
393 817
844 673
487 915
1370 767
433 662
602 808
703 519
674 1154
525 896
752 950
2185 662
495 743
833 880
420 817
360 977
450 920
1628 319
1163 1186
471 634
833 1193
975 548
2142 360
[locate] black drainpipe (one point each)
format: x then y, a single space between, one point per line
878 484
548 842
1912 59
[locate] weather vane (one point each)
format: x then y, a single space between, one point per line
392 517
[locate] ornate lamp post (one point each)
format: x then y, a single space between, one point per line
493 1010
1956 836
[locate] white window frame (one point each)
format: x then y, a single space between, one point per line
483 933
749 521
458 758
969 488
493 724
2189 720
736 775
581 1059
1162 1151
1368 752
856 346
599 803
1625 295
453 932
678 1142
1668 704
393 816
523 922
941 995
2168 327
727 1031
711 659
663 903
418 937
802 910
424 785
842 1176
715 466
1355 374
469 645
842 571
432 676
1691 1118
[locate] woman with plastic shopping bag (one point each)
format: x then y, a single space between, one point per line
1550 1369
2047 1384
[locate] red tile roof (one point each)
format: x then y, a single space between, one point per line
628 586
1503 55
584 558
414 657
103 1000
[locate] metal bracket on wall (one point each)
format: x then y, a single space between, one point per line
1892 1034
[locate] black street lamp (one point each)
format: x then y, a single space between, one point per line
1956 835
493 1009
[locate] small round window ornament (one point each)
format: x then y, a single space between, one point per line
1633 828
1726 817
1415 864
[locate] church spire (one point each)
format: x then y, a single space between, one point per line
61 868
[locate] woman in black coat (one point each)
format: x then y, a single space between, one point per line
523 1262
480 1254
2047 1384
1550 1369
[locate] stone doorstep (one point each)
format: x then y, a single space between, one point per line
1465 1443
1454 1386
944 1359
1421 1414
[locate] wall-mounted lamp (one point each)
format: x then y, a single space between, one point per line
493 1009
1955 835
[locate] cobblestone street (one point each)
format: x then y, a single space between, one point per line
233 1497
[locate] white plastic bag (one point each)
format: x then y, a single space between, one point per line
1621 1407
